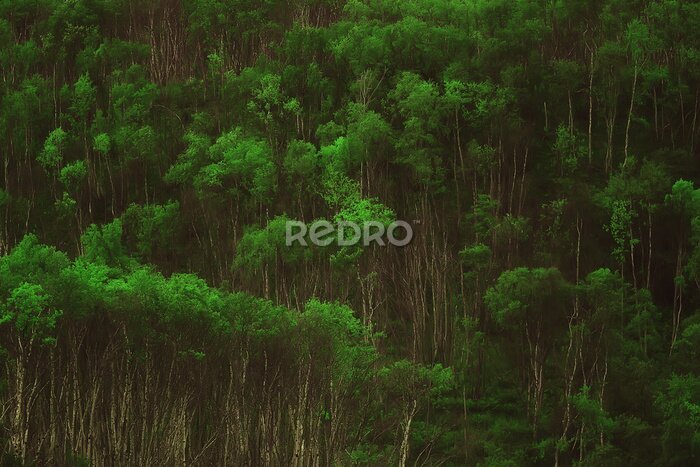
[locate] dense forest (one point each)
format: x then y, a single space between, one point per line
545 153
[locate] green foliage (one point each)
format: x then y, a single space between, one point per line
420 105
84 95
483 218
65 206
301 164
103 245
28 309
237 163
359 212
679 406
31 262
619 228
591 413
52 155
102 143
522 293
544 153
193 159
150 228
73 175
407 379
475 256
259 247
339 190
569 149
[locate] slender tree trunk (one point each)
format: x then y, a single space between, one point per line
403 451
590 110
629 114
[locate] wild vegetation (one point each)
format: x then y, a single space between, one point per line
546 312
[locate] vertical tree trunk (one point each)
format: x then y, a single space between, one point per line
590 110
410 413
629 115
